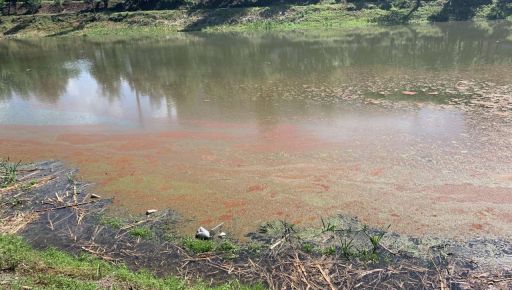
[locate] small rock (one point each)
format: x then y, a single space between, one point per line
409 93
95 196
150 211
203 234
222 235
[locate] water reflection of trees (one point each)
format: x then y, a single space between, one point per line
235 70
38 68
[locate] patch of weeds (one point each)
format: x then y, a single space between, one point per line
368 255
13 251
255 247
71 179
308 247
288 228
15 202
113 222
198 246
347 247
267 228
141 232
8 172
277 228
329 251
27 186
375 239
170 237
327 227
227 246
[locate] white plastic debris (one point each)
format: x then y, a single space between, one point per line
203 233
222 235
95 196
150 211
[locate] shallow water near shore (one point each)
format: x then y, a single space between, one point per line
409 126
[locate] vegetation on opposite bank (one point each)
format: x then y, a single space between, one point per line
135 17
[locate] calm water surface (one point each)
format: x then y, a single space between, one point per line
244 128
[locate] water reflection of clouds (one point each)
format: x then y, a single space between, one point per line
84 95
422 123
20 112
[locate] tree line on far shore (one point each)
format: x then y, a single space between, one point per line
399 10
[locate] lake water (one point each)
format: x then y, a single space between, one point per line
409 126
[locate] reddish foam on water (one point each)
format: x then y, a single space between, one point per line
210 174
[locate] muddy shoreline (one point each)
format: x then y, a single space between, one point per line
48 207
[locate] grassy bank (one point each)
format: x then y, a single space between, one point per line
22 266
275 18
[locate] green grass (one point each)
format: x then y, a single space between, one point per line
198 246
22 266
308 247
113 222
141 232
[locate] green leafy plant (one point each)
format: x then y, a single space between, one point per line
8 173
